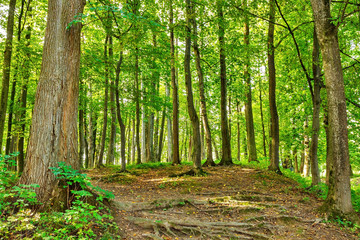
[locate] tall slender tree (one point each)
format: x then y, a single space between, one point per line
226 144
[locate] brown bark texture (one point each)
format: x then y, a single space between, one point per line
226 145
53 136
196 145
338 201
274 146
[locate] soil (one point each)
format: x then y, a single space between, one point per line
228 203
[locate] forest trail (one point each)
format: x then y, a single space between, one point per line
228 203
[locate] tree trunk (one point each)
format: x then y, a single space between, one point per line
338 201
91 136
53 136
238 131
307 164
274 157
169 131
118 113
111 148
226 145
81 126
137 100
100 160
6 68
316 113
175 98
209 159
196 145
161 136
262 120
248 104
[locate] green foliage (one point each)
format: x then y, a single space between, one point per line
83 220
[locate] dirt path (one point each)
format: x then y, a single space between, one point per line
229 203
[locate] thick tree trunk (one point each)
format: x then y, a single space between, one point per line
118 114
209 159
274 157
53 136
100 160
338 201
248 104
226 145
315 173
196 145
175 98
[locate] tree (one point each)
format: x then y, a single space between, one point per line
6 68
248 104
274 145
53 136
338 201
209 157
196 145
226 144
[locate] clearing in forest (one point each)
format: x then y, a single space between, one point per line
229 203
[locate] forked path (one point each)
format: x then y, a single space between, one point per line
228 203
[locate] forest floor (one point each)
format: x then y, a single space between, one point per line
229 203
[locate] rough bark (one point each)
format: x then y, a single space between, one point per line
248 104
175 98
53 135
100 161
338 201
209 157
274 147
315 173
196 148
6 68
226 145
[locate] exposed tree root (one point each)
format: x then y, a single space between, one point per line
204 230
193 172
157 204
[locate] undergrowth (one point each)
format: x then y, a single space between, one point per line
82 220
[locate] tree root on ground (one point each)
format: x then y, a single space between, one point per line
157 204
205 230
193 172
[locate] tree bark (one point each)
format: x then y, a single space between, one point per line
209 157
262 120
248 104
175 98
100 160
110 159
307 164
196 145
226 145
238 131
169 131
53 136
6 68
137 100
161 136
274 157
315 173
118 113
338 201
